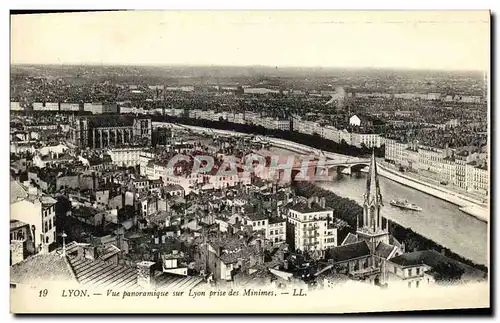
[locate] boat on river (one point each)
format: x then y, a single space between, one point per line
404 204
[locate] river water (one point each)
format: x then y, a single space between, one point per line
439 220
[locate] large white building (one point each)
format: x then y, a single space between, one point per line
15 106
477 178
368 140
66 106
40 213
274 123
311 225
395 151
355 121
127 156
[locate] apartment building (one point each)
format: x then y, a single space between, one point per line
276 230
126 156
39 212
368 140
310 225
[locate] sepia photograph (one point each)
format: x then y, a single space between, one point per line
235 162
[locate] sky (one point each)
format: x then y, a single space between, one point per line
444 40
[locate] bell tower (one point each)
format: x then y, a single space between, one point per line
372 228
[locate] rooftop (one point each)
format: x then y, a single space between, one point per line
303 207
256 216
16 224
17 192
384 250
347 252
350 238
53 267
173 187
432 258
276 219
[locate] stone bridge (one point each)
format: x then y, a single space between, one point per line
343 163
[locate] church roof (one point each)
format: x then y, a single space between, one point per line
393 241
110 121
350 238
384 250
348 252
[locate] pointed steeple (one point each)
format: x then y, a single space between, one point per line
372 194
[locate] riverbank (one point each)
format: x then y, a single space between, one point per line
466 204
348 209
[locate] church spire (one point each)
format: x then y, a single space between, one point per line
372 194
372 200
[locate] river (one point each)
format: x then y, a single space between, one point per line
439 220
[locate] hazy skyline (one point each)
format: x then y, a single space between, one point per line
444 40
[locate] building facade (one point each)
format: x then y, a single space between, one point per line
310 226
101 132
40 214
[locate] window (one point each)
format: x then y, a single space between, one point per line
409 284
46 239
418 271
417 283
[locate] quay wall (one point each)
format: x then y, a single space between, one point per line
465 203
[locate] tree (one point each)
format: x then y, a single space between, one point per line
447 272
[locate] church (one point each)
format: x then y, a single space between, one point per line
363 255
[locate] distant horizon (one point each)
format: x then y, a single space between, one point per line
249 66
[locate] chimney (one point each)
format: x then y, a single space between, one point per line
145 274
17 251
81 250
90 252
